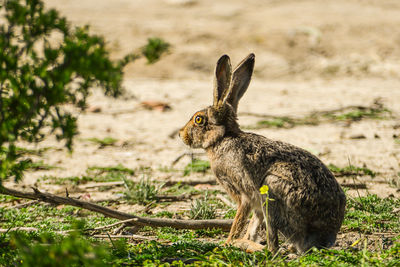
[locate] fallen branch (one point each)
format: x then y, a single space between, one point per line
225 225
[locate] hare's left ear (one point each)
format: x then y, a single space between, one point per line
240 81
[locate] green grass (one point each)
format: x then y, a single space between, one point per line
48 218
77 250
196 165
110 169
372 214
94 174
377 111
47 247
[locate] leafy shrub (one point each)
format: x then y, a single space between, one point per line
46 65
154 49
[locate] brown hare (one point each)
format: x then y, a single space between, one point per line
308 203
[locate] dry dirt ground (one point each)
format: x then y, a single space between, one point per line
311 55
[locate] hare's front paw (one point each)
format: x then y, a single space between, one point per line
247 245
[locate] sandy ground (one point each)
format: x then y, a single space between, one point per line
310 56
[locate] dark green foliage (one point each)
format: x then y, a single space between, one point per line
53 250
154 49
44 65
196 165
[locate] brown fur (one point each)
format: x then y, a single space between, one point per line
308 204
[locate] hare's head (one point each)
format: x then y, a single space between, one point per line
209 125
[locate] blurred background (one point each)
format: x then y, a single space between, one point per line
303 39
326 79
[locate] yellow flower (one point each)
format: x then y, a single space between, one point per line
264 189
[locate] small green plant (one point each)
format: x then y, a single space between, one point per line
196 165
143 192
154 49
40 165
106 141
180 189
202 209
350 170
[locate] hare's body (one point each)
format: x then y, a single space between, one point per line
308 204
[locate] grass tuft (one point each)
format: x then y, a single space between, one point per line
202 209
143 192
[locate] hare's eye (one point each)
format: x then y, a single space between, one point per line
199 120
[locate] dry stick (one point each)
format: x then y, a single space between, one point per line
225 225
24 205
103 227
25 229
125 236
191 182
86 186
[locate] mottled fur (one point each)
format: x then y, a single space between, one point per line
308 204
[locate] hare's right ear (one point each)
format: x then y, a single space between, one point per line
240 81
222 79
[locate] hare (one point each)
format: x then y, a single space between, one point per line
308 203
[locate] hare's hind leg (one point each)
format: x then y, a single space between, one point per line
254 225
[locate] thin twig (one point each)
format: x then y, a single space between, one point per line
24 205
191 154
191 182
225 201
